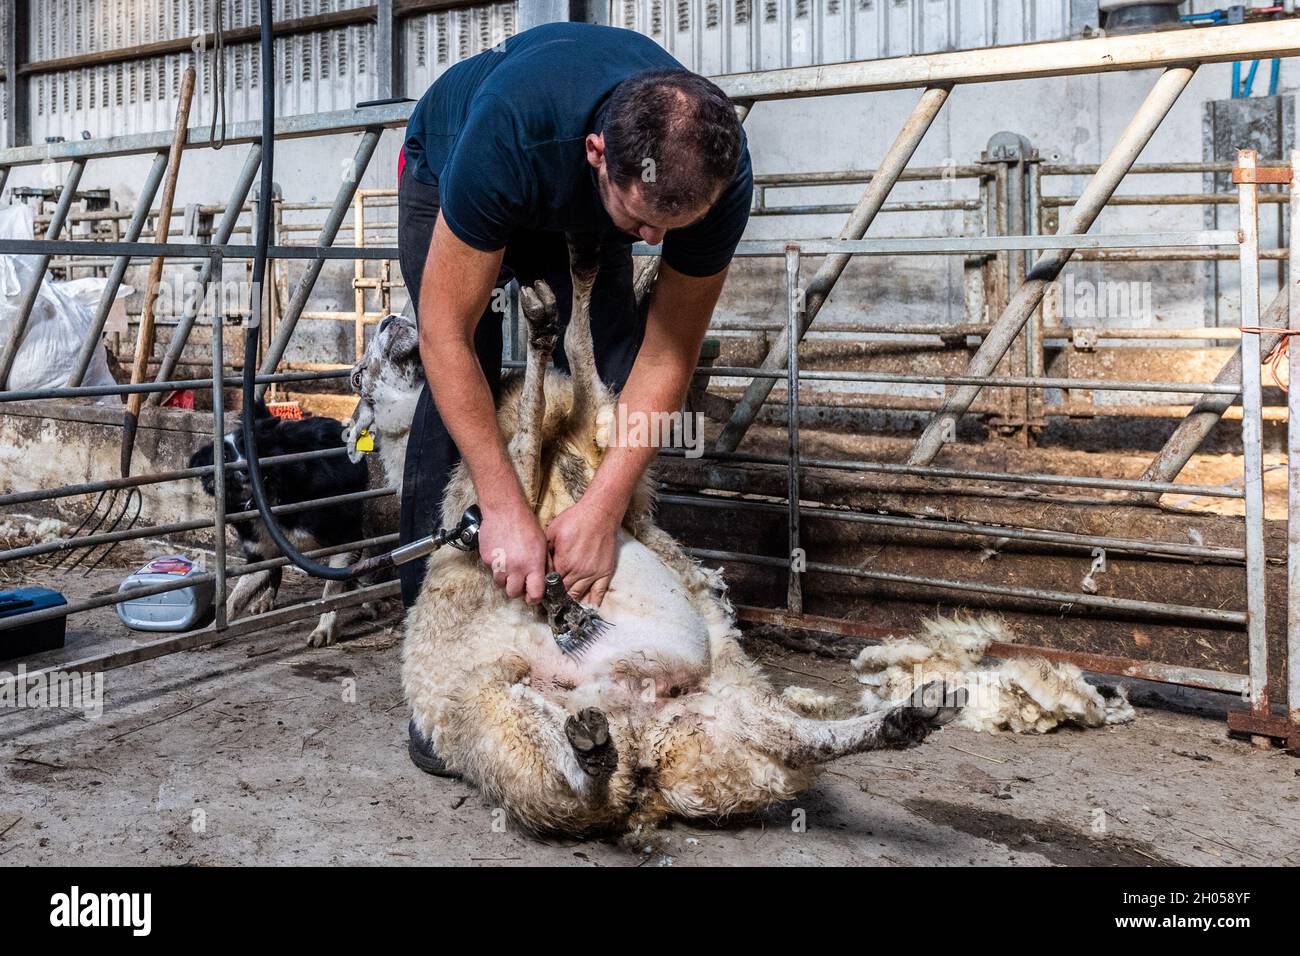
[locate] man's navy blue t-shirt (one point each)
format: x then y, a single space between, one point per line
502 135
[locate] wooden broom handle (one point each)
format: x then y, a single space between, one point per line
144 340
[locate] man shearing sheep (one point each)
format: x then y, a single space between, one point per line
565 128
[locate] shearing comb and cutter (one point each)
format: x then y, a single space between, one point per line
574 627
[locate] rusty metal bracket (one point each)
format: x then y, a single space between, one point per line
1277 727
1262 175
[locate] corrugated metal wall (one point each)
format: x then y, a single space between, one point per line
733 36
329 70
334 69
435 41
4 87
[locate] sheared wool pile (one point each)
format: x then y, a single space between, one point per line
1022 695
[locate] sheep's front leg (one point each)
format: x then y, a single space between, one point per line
757 719
588 735
745 750
548 769
802 740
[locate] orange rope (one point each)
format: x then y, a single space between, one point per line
1274 359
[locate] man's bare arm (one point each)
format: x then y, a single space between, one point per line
582 538
455 289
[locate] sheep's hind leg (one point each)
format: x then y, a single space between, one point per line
538 304
584 263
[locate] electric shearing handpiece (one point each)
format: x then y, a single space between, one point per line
574 627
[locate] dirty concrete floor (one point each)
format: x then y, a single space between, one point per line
261 750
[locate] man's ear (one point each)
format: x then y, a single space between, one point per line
596 149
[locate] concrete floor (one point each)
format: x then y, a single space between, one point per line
255 751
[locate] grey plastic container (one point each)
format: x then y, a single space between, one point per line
177 610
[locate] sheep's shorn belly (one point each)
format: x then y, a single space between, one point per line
654 631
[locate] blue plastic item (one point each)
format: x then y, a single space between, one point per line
28 639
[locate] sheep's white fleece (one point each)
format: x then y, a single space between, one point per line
1022 695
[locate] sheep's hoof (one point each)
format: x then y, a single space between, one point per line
588 734
932 706
539 308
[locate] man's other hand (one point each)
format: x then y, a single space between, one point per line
584 549
514 545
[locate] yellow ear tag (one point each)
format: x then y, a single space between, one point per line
365 441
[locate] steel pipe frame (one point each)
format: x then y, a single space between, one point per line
1066 598
955 245
1160 549
143 251
1223 681
229 217
338 122
150 590
210 635
819 288
854 177
1156 255
1027 298
922 205
1293 473
91 391
1109 54
1106 63
885 402
90 345
1178 449
159 477
133 534
1022 381
794 297
1170 199
219 474
1252 439
302 291
976 330
929 471
387 15
27 298
1139 169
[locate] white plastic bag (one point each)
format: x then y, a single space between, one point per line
57 326
89 289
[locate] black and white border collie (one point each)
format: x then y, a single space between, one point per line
290 483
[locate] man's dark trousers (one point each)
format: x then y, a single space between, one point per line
615 330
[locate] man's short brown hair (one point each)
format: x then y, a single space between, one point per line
676 134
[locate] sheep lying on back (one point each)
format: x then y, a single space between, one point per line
663 716
1022 695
